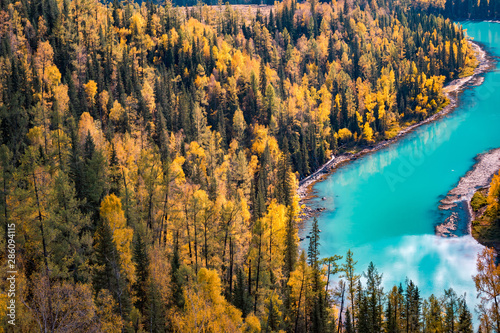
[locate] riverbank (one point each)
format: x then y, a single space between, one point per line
452 91
484 222
458 200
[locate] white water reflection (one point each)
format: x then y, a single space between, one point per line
433 263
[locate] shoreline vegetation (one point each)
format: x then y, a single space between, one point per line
484 212
451 91
458 200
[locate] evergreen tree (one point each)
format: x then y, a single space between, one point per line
177 298
464 318
141 261
241 298
363 320
374 294
451 303
109 274
352 281
347 323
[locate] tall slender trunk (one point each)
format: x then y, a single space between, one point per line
327 282
226 234
497 314
270 244
188 233
44 246
127 216
205 243
230 266
258 269
298 305
163 227
150 203
150 211
195 244
341 306
249 276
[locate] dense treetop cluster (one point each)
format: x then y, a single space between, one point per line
150 155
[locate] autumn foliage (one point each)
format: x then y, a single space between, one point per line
150 155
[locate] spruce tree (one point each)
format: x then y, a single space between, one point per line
141 261
318 315
451 304
241 298
374 298
464 318
109 274
352 280
347 323
177 296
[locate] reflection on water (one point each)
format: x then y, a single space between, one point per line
432 262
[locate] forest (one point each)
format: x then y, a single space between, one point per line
464 9
150 157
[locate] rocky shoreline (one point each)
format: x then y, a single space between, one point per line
451 91
458 199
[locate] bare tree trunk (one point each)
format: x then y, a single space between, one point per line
497 319
341 306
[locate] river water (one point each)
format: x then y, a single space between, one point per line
384 206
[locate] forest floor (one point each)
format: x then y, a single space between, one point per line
452 91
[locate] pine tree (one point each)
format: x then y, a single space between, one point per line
451 304
412 308
347 323
363 320
154 311
464 318
318 315
391 326
374 298
177 296
141 261
352 280
241 298
109 275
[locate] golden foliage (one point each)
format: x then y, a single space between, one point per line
206 310
112 213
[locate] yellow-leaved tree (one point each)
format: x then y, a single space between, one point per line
112 213
205 309
494 193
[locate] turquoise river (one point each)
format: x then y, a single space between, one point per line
384 206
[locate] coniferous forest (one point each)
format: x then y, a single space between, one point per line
150 158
